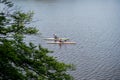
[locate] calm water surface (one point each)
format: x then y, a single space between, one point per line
93 24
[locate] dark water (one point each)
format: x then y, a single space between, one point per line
93 24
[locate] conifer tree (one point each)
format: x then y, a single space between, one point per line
19 61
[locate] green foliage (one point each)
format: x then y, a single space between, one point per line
25 62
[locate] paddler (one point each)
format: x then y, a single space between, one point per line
55 37
60 40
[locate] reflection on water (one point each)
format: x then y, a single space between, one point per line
93 24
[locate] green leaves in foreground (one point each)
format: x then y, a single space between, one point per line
19 61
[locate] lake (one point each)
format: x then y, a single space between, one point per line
93 24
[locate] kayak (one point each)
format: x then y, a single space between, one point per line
55 39
61 42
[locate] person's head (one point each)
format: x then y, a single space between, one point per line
54 34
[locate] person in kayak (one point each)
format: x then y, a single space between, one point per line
56 37
60 40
